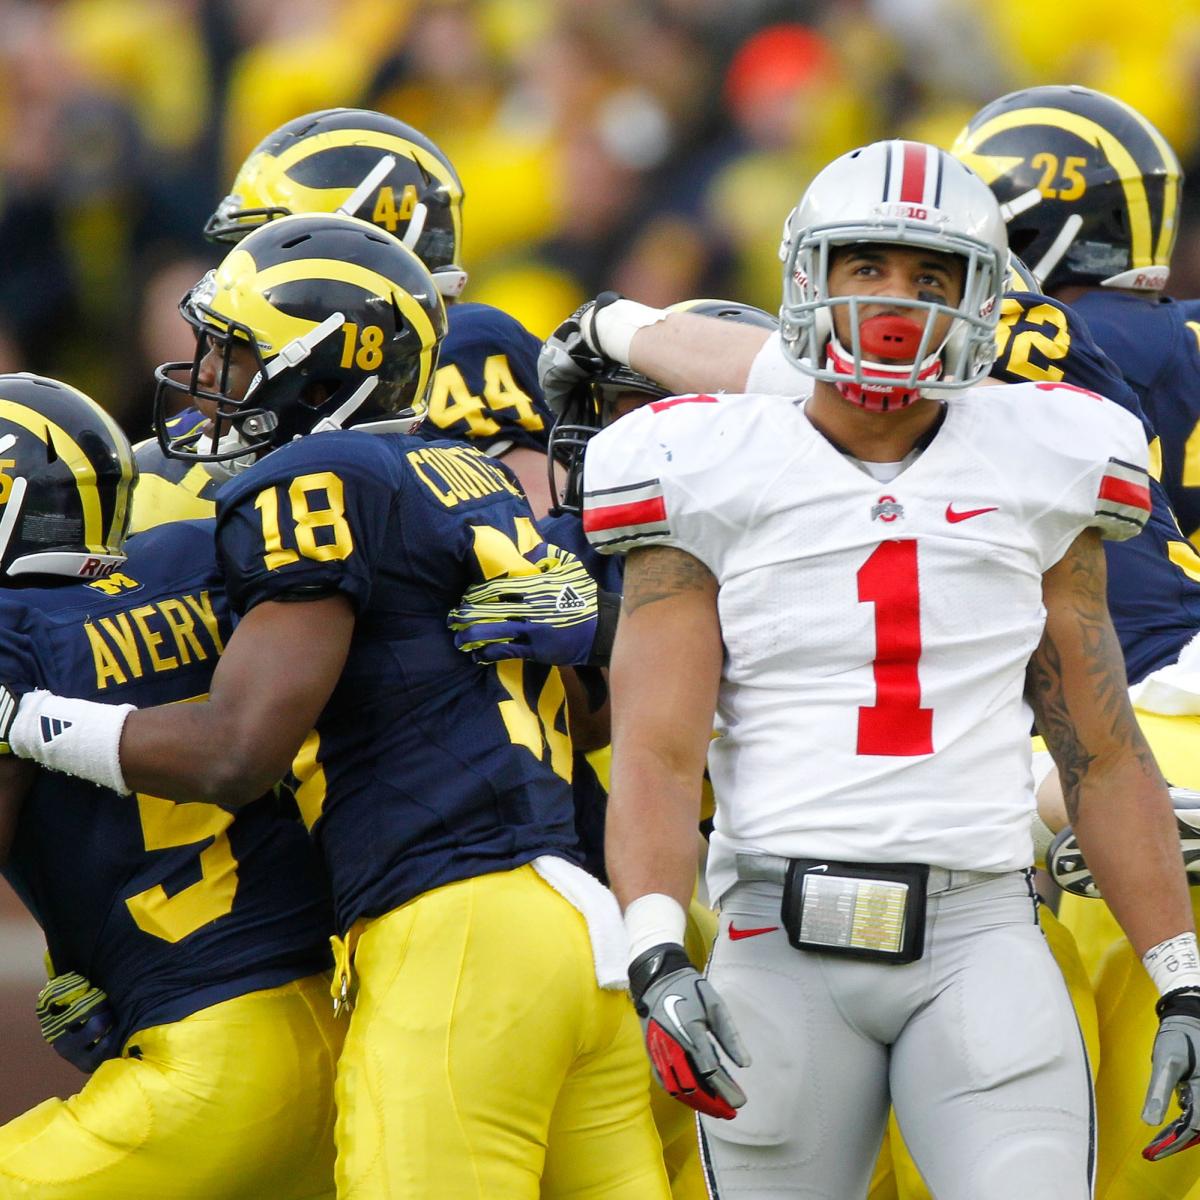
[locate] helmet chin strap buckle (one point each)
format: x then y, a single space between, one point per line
260 424
298 349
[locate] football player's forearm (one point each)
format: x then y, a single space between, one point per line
688 353
666 668
264 698
1126 829
196 752
650 826
1114 794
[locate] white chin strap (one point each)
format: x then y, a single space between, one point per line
374 177
12 511
298 349
340 415
1058 247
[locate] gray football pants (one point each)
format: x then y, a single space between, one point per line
975 1045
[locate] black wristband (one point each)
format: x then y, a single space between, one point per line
1182 1002
608 605
652 964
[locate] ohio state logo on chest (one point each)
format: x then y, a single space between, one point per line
887 509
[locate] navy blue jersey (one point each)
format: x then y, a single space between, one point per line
168 907
486 388
171 489
1155 342
566 530
424 768
1154 578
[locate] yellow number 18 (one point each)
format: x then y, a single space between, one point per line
307 518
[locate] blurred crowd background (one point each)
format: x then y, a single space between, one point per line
653 146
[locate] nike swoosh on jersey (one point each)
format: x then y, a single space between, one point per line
736 935
967 513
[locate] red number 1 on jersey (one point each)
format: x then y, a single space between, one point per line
896 723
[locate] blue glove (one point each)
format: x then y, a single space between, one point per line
549 616
78 1021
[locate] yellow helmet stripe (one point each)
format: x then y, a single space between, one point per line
388 142
67 449
356 275
1089 131
124 457
1173 174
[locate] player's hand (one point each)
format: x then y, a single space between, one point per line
684 1021
1175 1067
77 1019
571 356
549 617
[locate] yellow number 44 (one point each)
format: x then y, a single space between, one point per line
388 213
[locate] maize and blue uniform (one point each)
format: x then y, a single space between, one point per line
486 388
208 930
1154 578
439 794
1154 598
172 489
485 391
1155 343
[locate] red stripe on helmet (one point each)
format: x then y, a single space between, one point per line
912 181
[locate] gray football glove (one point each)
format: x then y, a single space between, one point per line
1175 1067
684 1020
571 356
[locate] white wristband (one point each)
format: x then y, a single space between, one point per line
1174 964
615 324
653 919
79 737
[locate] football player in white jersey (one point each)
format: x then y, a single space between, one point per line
875 587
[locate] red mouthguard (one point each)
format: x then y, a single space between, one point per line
890 337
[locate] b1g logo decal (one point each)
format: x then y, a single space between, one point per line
886 509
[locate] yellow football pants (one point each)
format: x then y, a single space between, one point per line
234 1102
1125 1000
483 1061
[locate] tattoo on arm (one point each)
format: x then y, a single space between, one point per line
1044 690
657 572
1096 671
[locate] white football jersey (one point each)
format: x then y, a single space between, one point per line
877 635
